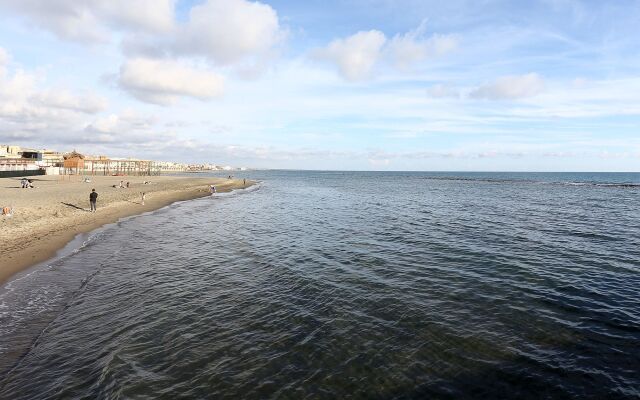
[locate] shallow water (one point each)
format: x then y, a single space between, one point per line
344 285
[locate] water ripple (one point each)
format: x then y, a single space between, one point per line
323 285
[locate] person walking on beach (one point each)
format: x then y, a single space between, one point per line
93 197
212 189
143 198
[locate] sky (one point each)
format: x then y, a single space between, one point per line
487 85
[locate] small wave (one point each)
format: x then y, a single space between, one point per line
602 184
236 192
537 182
630 185
472 179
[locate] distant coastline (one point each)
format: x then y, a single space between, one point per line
49 216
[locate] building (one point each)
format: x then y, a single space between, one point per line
22 160
7 151
16 161
52 158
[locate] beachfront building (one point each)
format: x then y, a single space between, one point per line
167 166
18 161
79 164
8 151
51 158
39 155
102 165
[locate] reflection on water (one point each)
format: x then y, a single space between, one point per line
333 285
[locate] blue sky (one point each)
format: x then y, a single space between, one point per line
358 84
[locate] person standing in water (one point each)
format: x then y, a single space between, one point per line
93 198
212 189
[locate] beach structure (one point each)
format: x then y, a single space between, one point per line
10 167
116 166
79 164
17 161
73 162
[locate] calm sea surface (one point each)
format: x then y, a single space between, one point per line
330 285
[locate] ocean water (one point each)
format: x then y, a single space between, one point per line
331 285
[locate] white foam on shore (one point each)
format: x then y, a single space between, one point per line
236 192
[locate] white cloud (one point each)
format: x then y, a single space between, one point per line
238 33
4 57
510 87
66 19
16 86
108 124
89 20
378 163
413 47
227 31
443 91
29 112
163 82
90 104
126 127
355 55
148 15
583 99
241 33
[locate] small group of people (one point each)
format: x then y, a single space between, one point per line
26 183
122 185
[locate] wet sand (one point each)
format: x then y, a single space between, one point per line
48 216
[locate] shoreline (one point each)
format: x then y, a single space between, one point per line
37 232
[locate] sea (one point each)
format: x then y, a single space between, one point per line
343 285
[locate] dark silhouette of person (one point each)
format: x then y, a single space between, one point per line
93 197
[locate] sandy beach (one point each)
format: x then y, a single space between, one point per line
48 216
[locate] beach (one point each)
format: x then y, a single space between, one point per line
48 216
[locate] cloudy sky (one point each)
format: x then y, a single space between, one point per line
328 84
